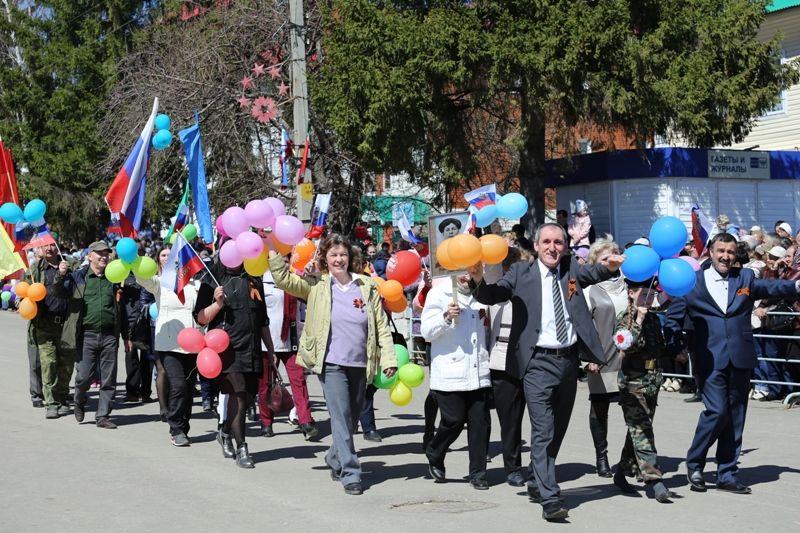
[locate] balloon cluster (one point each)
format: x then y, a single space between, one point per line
189 232
163 137
206 347
7 294
511 205
32 215
129 261
402 269
248 248
408 376
30 294
676 275
465 250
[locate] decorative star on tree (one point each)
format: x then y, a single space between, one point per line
264 109
244 102
283 89
258 70
247 82
274 72
266 55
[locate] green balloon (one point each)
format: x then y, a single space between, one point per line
189 232
5 296
401 352
382 382
172 238
116 271
412 375
144 267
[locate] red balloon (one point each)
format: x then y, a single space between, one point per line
404 267
191 340
208 363
218 340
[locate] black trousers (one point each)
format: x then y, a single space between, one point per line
138 373
98 351
456 408
509 402
550 383
181 375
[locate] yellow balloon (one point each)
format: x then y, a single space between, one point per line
258 265
28 309
443 255
495 249
465 250
400 394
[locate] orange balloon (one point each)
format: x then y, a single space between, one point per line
392 290
278 246
495 249
21 289
37 292
443 255
465 250
397 306
380 281
303 252
28 309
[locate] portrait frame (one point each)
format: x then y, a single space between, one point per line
436 235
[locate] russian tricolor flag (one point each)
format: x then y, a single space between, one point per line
701 229
125 198
319 216
32 235
182 264
482 196
182 217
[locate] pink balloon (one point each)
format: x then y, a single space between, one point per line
259 214
229 255
220 227
235 221
249 245
218 340
191 340
208 363
288 229
277 206
691 260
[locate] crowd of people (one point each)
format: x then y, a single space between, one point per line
509 337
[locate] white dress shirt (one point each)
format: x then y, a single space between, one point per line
717 287
547 336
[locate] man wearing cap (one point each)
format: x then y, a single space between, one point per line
98 334
51 331
719 307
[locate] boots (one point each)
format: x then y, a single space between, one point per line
227 445
603 468
622 483
659 491
243 459
599 429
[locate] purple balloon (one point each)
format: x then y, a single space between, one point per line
288 229
235 221
220 226
259 214
6 287
691 260
249 245
229 255
277 206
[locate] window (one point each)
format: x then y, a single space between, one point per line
584 146
780 107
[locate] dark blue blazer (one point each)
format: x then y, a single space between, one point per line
721 338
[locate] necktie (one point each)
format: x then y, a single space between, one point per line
558 308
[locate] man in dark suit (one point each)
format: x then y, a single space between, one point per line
719 307
550 328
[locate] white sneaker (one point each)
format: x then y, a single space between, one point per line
293 420
757 395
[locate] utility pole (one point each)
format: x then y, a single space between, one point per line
297 44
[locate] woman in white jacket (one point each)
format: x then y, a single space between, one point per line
459 376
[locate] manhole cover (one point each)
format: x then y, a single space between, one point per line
443 506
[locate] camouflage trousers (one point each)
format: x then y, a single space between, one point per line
638 397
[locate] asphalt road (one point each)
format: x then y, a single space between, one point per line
60 476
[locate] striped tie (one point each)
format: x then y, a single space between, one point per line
558 308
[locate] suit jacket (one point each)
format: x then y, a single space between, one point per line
522 285
721 338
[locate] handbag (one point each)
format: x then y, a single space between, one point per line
780 323
278 398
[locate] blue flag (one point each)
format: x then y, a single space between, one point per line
193 148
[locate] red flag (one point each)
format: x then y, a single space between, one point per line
303 163
9 193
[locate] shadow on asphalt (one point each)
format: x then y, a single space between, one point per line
309 451
376 472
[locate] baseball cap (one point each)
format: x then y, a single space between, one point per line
777 251
643 241
785 227
99 246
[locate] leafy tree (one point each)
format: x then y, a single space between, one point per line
444 87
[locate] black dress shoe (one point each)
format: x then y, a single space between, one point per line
37 403
622 483
373 436
243 459
515 479
696 481
437 474
533 494
310 431
353 489
554 512
603 468
79 413
694 398
227 445
267 431
479 483
734 487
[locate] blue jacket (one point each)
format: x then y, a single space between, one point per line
721 338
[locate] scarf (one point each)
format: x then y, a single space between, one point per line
614 286
289 314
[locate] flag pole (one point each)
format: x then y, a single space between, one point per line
179 235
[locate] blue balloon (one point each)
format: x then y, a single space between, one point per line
485 215
153 311
162 139
641 263
11 213
35 210
127 250
512 205
668 236
677 277
163 122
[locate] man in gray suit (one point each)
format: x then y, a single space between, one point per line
551 329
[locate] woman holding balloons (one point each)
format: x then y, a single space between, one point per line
346 340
